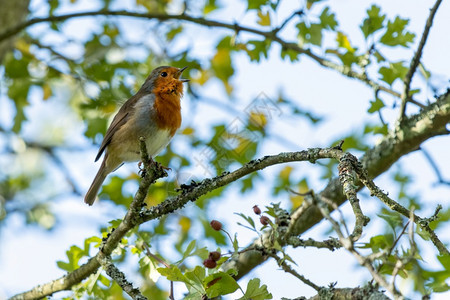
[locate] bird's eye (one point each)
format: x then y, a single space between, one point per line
163 74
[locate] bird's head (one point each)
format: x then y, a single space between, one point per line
165 80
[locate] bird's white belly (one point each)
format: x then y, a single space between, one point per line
155 144
158 142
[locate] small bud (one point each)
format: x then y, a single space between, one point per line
256 210
209 263
216 225
215 255
264 220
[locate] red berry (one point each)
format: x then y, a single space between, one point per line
256 210
209 263
216 225
215 255
264 220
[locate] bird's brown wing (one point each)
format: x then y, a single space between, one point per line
119 120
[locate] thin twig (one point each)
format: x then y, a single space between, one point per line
288 269
416 60
331 244
119 277
348 181
435 167
150 254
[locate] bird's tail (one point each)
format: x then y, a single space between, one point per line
91 194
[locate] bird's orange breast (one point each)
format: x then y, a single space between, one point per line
168 106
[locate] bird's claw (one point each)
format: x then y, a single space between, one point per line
142 170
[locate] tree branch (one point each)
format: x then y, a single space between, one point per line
416 60
119 277
288 269
348 180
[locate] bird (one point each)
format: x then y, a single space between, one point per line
153 113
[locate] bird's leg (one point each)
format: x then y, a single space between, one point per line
142 171
166 168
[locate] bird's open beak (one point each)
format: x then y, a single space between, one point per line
179 74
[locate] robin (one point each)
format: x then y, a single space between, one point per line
154 113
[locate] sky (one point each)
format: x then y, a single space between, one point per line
32 252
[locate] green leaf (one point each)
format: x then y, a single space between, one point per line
196 276
445 261
396 35
311 34
328 19
289 53
379 242
256 291
247 182
373 22
89 241
73 254
114 191
195 282
256 4
54 4
257 49
344 42
248 219
264 18
384 130
189 250
348 58
173 274
219 284
210 6
393 219
395 71
173 32
235 243
309 3
379 56
221 63
375 105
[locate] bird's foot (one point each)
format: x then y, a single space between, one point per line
165 168
142 171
